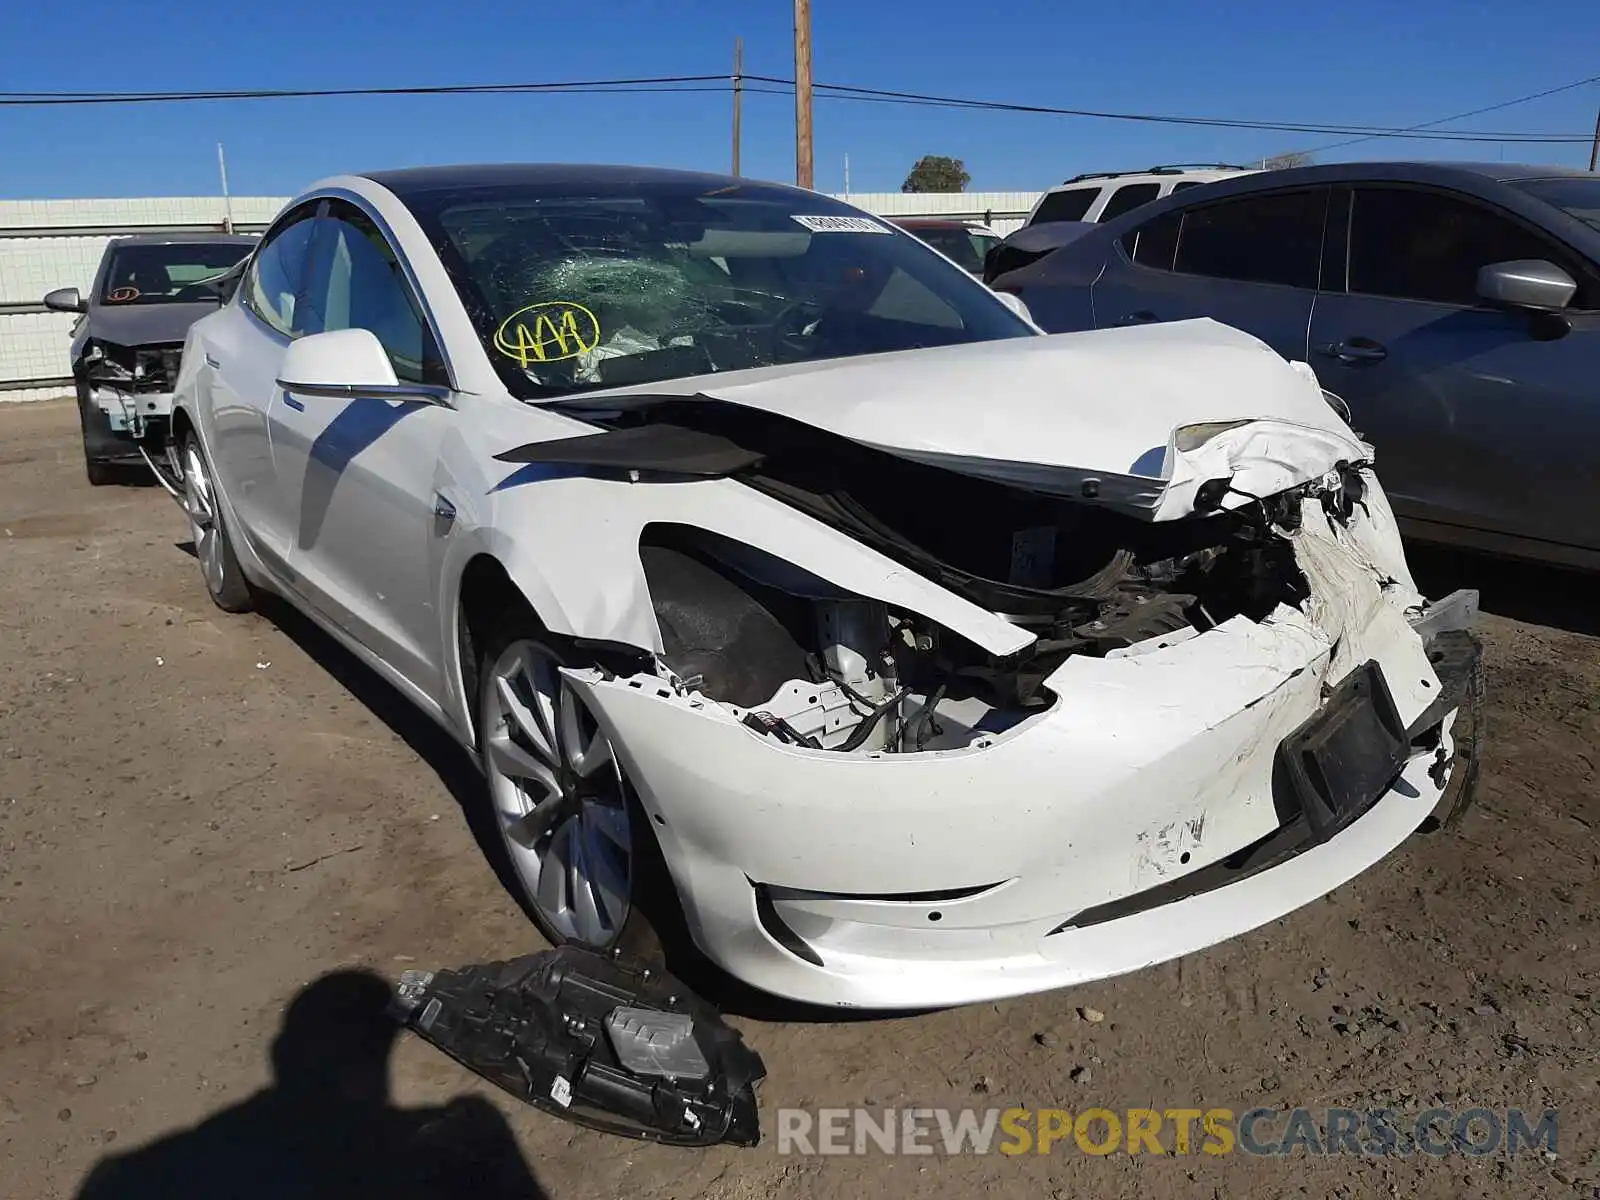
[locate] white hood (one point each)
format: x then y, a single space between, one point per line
1111 413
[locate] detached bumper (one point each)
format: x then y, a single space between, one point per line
1085 845
1150 813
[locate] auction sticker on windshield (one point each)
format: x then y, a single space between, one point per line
841 224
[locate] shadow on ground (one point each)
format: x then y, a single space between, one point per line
1524 591
327 1127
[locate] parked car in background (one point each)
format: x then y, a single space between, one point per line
773 566
1455 307
126 344
966 243
1107 195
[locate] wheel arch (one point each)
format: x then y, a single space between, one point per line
181 423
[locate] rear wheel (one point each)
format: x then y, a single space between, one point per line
224 580
562 799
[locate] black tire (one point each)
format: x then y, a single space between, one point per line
651 892
229 589
101 474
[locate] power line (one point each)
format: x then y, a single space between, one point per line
1566 87
647 83
841 91
779 85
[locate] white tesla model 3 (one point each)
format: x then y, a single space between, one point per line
936 659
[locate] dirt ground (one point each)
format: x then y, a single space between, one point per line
201 815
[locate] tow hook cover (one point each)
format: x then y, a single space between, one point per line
597 1039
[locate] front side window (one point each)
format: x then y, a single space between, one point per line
278 272
1068 205
1129 197
1273 238
1576 197
355 281
654 280
1417 245
169 273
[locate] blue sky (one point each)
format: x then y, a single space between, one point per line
1357 61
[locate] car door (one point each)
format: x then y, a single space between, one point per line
1249 261
242 352
1483 418
357 474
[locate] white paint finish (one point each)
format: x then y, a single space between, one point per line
1143 758
1067 409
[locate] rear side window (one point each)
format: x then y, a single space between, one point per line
1127 198
1426 246
1069 205
1274 238
1155 243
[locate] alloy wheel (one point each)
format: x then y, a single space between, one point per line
200 502
560 797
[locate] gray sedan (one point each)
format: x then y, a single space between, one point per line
1455 307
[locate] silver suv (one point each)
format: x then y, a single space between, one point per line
1106 195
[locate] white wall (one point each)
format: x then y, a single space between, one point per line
33 345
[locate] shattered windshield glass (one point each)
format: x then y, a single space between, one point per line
664 281
1576 197
168 274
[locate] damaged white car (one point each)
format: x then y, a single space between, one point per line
935 659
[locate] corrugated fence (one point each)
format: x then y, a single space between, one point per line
48 244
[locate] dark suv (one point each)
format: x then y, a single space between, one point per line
1455 307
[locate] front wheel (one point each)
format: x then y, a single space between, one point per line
229 589
561 797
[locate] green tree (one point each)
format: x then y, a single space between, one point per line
937 173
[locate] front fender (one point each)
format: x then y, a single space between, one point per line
570 544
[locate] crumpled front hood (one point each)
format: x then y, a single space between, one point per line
142 324
1109 415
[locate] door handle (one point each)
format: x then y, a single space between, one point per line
1355 350
1141 317
212 362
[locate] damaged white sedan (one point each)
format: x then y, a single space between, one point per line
740 534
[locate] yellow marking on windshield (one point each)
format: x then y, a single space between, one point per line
550 331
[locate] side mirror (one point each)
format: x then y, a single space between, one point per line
65 300
1527 283
348 364
1014 302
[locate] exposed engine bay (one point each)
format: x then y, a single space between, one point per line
804 663
132 385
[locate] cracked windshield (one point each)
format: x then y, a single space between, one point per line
656 283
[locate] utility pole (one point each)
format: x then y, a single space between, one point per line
227 200
738 96
802 94
1594 152
847 177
